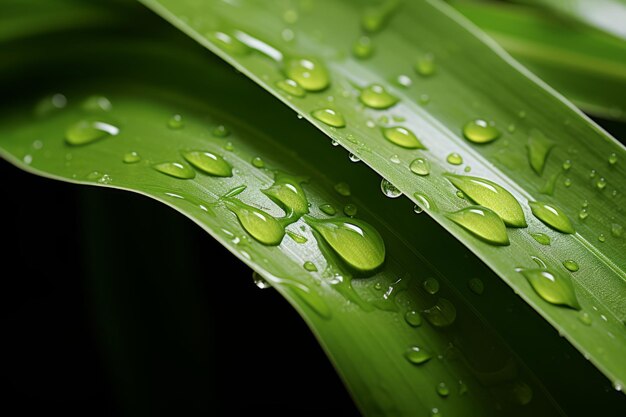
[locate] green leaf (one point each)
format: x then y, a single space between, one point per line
587 66
355 304
473 80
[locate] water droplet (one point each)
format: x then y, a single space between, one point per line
617 230
601 184
402 137
376 97
49 104
434 412
363 47
520 393
538 149
413 318
131 157
176 170
328 209
417 355
454 159
97 103
480 131
354 158
613 158
309 73
539 262
350 210
357 243
175 122
220 131
593 173
296 237
260 225
584 317
420 166
395 159
424 99
310 266
582 215
291 87
476 286
431 286
567 164
389 189
209 163
329 117
552 216
288 35
511 128
404 80
28 159
425 65
442 389
417 209
228 43
424 201
601 238
288 194
259 281
258 162
460 194
567 182
541 238
88 131
441 314
343 189
554 288
334 142
374 18
571 265
483 223
489 194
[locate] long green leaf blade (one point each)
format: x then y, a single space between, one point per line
474 79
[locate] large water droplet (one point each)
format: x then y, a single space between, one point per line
309 73
416 355
552 216
176 170
376 97
442 314
402 136
389 189
483 223
363 47
291 87
571 265
287 193
554 288
350 210
420 166
260 225
425 65
88 131
329 117
357 243
413 318
209 163
541 238
480 131
491 195
538 149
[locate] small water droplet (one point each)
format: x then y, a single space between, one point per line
343 189
296 237
613 158
423 99
541 238
601 184
413 318
389 189
50 104
328 209
88 131
454 159
431 286
483 223
395 159
288 35
28 159
554 288
601 238
420 166
511 128
228 43
259 281
417 355
480 131
363 47
260 225
374 18
583 214
552 216
567 182
220 131
131 157
291 87
442 389
404 80
257 162
567 165
175 122
329 117
584 317
424 201
442 314
334 142
376 97
571 265
476 286
209 163
176 170
310 266
97 103
417 209
425 65
356 242
403 137
539 148
287 193
310 73
617 230
593 173
434 412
